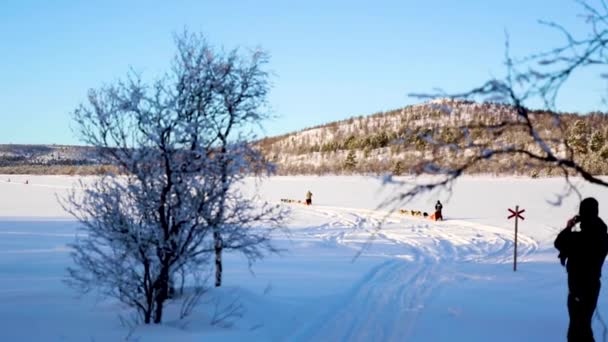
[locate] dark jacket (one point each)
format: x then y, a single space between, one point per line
584 251
438 206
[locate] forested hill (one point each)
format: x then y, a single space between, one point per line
48 159
388 142
393 141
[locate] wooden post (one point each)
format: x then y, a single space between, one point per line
515 247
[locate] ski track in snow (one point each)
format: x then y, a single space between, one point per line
419 252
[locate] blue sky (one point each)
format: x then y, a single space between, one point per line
331 59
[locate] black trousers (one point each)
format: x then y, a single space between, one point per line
582 301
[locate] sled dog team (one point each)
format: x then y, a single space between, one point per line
436 216
307 201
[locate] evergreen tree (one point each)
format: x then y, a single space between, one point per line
366 152
578 138
604 153
597 141
351 161
398 168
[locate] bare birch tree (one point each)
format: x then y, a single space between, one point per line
181 145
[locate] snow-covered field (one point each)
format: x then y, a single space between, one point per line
340 278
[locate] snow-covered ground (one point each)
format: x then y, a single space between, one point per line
350 271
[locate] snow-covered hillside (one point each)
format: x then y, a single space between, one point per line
46 154
350 271
397 141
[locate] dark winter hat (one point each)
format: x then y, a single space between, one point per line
588 208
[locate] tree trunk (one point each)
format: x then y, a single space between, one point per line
149 293
218 258
162 295
217 236
158 313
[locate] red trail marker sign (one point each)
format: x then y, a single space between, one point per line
517 214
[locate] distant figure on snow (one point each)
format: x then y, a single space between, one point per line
437 216
308 198
583 252
27 181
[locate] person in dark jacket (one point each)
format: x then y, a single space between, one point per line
583 252
438 214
